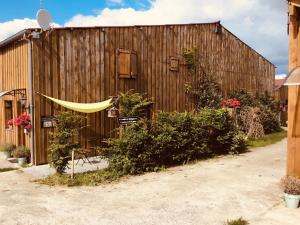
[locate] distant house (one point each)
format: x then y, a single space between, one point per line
281 95
91 64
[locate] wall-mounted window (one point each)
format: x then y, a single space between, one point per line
127 64
8 112
174 63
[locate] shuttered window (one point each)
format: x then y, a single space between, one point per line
8 112
127 64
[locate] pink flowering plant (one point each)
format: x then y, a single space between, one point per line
23 120
230 103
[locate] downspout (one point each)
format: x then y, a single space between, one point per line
31 104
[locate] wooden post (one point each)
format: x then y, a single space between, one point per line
72 174
293 157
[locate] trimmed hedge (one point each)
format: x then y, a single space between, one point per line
173 139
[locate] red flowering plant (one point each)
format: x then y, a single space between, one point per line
10 122
230 103
24 120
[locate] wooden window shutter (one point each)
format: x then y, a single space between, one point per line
127 64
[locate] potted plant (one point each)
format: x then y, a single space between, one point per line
22 153
25 121
7 150
291 188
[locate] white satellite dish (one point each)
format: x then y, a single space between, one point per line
44 19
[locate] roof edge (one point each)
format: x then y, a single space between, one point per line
20 34
239 39
14 37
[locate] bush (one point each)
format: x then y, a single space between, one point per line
205 92
264 104
244 97
21 152
7 148
133 104
64 140
173 139
270 120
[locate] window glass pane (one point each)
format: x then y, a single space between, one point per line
8 112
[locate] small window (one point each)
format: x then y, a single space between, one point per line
127 64
8 112
174 63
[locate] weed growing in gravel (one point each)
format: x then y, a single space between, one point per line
239 221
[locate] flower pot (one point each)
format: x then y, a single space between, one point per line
6 155
22 161
292 201
25 131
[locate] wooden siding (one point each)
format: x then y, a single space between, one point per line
80 65
13 75
293 156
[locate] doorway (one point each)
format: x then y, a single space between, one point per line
21 135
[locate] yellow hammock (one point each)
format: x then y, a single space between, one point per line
82 107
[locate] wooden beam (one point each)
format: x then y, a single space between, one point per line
296 3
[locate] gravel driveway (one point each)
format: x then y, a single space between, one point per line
206 193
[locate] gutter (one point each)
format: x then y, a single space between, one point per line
31 104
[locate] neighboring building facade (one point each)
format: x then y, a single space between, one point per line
91 64
281 96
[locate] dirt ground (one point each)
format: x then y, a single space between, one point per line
206 193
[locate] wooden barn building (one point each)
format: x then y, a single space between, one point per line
88 65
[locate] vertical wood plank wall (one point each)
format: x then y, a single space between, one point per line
293 156
79 64
13 75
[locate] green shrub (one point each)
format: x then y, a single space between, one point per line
64 139
7 148
133 104
266 100
173 139
239 221
244 97
270 120
21 152
205 92
268 114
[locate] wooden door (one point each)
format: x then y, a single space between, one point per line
20 129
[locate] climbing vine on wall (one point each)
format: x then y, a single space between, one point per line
189 55
204 90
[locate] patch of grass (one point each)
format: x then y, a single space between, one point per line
239 221
267 140
2 170
92 178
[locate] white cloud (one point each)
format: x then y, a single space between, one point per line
11 27
260 23
280 76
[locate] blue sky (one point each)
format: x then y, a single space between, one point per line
260 23
63 10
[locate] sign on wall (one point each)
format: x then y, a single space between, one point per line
128 120
47 121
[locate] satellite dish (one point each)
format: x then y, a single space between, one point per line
44 19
